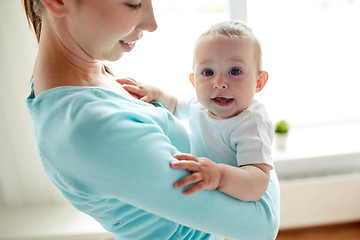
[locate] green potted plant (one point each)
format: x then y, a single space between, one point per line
281 134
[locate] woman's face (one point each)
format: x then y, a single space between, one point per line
106 29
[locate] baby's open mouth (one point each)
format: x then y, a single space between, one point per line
223 101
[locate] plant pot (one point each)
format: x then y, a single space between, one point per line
281 140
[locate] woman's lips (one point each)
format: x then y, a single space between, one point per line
127 46
221 101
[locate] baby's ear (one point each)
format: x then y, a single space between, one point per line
55 7
261 81
191 76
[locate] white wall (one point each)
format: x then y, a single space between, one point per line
22 179
238 9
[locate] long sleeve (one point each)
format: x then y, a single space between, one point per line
113 163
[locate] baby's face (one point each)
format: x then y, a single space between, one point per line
225 74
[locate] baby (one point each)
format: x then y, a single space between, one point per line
227 125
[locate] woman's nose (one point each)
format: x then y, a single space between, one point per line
149 23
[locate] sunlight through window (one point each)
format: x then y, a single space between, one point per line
310 49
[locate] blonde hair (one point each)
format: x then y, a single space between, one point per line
237 29
33 9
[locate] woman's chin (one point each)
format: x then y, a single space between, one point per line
113 57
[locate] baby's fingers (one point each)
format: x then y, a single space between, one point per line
194 189
146 98
133 90
128 81
192 178
185 156
187 165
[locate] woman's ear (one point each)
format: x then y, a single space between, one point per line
56 7
261 81
191 76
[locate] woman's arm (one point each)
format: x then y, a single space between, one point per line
115 155
138 172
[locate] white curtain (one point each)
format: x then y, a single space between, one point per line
22 178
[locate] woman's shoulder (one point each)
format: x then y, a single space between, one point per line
76 98
77 107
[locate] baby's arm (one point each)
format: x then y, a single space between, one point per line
247 183
148 93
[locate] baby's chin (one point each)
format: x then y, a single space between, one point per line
224 115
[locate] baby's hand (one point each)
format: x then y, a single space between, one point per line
205 173
139 90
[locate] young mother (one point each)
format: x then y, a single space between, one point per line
109 153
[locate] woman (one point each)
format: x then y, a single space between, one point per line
108 153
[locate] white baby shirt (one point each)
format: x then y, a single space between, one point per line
243 139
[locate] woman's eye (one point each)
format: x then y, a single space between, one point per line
208 72
134 6
234 71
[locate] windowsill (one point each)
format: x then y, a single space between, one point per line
319 151
320 141
319 175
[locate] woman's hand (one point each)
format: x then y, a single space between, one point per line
205 174
138 90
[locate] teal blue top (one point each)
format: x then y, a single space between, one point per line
109 155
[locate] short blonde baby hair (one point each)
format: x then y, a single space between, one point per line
237 29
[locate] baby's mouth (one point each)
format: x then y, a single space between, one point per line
223 101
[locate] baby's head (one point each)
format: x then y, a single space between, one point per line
227 68
234 29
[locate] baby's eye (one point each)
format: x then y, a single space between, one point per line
207 72
234 71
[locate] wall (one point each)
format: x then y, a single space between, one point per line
22 180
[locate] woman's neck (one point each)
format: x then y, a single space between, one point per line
61 65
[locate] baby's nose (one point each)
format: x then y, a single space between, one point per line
220 84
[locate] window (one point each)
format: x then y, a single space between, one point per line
164 57
310 49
